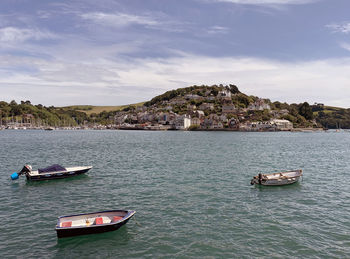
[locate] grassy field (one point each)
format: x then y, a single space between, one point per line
329 109
89 109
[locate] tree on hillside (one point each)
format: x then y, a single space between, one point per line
214 92
306 111
242 100
233 89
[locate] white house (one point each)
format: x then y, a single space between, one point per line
259 105
199 113
183 122
224 93
282 124
187 122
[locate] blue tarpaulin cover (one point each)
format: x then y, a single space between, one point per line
51 168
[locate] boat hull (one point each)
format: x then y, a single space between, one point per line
92 229
89 230
56 175
279 183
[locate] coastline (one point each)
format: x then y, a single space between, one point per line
159 128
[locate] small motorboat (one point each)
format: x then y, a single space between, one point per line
51 172
91 223
276 179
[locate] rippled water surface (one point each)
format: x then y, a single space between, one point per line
191 191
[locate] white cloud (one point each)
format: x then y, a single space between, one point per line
13 34
118 19
322 81
340 27
345 46
218 30
120 81
267 2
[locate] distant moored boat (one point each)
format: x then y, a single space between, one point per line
276 179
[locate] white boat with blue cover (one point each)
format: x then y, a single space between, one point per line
51 172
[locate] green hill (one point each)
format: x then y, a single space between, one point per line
332 117
90 109
181 100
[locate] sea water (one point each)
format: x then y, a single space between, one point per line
191 192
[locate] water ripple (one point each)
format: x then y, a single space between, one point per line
191 192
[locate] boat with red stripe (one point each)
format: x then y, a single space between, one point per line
92 223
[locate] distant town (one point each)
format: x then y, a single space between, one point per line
216 107
202 116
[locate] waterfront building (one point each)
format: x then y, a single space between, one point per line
282 124
195 121
183 122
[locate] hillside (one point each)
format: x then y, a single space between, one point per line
332 117
209 107
216 107
90 109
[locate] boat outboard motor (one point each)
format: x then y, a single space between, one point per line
252 182
25 169
260 178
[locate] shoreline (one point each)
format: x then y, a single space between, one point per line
311 130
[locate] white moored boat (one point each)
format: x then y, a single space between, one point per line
51 172
276 179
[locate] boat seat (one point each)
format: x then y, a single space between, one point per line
79 223
67 224
98 221
116 218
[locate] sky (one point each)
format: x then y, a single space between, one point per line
116 52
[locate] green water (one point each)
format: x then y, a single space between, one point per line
191 191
